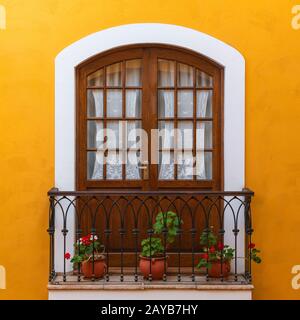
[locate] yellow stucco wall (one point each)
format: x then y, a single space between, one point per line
38 30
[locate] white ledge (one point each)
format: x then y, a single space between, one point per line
144 286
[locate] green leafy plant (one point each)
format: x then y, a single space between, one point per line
170 221
86 247
153 247
254 253
215 251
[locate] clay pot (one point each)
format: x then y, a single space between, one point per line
215 270
157 267
99 268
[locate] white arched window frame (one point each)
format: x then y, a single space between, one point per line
65 107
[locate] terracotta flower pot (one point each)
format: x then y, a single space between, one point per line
157 267
215 270
99 268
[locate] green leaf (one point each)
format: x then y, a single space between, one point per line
152 247
170 221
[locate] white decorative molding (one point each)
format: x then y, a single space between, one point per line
160 294
220 52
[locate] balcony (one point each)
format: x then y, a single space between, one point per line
121 220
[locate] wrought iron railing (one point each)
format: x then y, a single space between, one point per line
122 219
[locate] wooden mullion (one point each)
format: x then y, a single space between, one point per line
188 119
205 88
113 119
179 88
184 88
95 88
117 149
114 88
189 149
205 119
185 119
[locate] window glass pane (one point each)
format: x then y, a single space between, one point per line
203 80
95 103
95 162
166 103
185 165
185 77
204 104
114 139
185 104
166 134
204 135
95 134
114 103
133 171
204 165
185 136
114 166
133 134
166 73
166 165
114 75
96 79
134 73
133 103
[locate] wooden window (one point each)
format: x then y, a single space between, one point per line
149 87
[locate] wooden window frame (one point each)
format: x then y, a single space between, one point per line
149 121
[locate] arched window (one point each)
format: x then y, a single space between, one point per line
176 91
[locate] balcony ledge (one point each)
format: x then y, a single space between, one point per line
114 283
147 286
143 290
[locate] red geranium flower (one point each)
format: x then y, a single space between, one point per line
204 256
251 245
86 240
212 249
67 256
220 246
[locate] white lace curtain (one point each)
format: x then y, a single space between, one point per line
95 132
203 111
133 104
166 101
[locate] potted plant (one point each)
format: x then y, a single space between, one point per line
153 259
216 257
87 250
